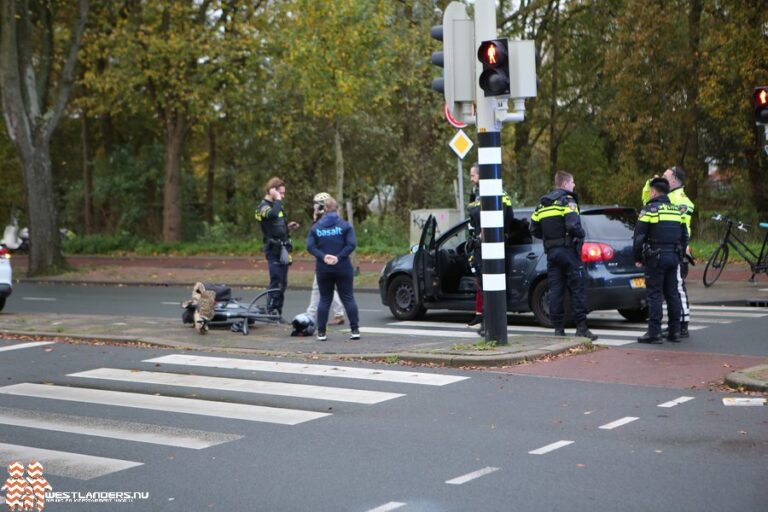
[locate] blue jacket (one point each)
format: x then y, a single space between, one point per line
332 235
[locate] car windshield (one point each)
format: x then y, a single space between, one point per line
609 224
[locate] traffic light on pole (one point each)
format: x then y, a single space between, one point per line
456 59
494 55
760 104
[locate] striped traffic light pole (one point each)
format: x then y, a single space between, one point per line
494 277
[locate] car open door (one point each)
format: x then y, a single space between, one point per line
424 260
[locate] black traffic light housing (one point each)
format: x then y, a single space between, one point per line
494 55
760 104
438 59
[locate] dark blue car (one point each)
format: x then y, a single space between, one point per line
436 274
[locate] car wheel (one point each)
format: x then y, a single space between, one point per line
540 305
402 299
2 303
635 315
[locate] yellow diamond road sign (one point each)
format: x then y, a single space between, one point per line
460 144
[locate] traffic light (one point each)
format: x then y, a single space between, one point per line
494 54
456 58
760 104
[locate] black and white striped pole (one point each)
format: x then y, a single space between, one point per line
503 74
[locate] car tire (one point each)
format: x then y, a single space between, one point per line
403 303
635 315
540 305
2 303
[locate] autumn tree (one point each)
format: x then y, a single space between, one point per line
36 76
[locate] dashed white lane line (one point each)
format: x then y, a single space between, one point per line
168 303
392 505
471 476
25 345
618 423
676 401
550 447
44 299
744 402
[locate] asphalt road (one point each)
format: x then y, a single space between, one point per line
232 434
491 441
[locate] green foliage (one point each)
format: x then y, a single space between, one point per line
102 244
382 236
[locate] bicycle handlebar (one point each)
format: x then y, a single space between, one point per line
739 225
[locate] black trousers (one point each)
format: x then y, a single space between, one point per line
278 278
565 270
661 283
342 280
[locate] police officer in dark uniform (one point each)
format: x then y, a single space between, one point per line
660 239
474 244
277 243
557 222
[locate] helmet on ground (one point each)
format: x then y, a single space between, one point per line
303 325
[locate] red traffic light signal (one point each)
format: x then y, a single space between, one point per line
494 55
760 104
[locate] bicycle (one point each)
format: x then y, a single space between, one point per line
719 258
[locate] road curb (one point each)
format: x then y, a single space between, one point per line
744 379
451 359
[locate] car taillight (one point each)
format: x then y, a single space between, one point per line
593 251
5 253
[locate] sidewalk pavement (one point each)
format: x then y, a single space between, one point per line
275 340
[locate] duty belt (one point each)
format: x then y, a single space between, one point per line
550 243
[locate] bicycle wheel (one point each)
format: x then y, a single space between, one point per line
715 265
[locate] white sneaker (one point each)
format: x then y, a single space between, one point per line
321 336
355 334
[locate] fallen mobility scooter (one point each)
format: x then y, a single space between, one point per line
212 305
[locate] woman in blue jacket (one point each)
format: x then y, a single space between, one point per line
331 240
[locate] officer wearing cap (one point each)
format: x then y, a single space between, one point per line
557 222
659 242
677 196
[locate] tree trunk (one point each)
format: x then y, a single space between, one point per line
44 240
694 164
553 142
87 176
175 132
211 172
339 165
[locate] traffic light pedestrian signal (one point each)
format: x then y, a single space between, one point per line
494 55
760 103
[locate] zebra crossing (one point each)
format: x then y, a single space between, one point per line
612 328
253 380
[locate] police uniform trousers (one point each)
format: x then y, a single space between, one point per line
661 279
565 270
682 270
278 279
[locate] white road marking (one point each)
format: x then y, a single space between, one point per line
420 332
348 372
119 323
618 423
371 310
168 303
471 476
613 343
165 403
728 308
42 299
676 401
31 344
744 402
66 464
392 505
550 447
512 329
358 396
123 430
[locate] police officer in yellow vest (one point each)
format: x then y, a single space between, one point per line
659 243
557 222
677 196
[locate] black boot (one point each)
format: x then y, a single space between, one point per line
650 338
559 331
673 336
476 320
684 330
583 331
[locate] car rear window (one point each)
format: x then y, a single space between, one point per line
609 224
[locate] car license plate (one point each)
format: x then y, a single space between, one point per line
637 282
